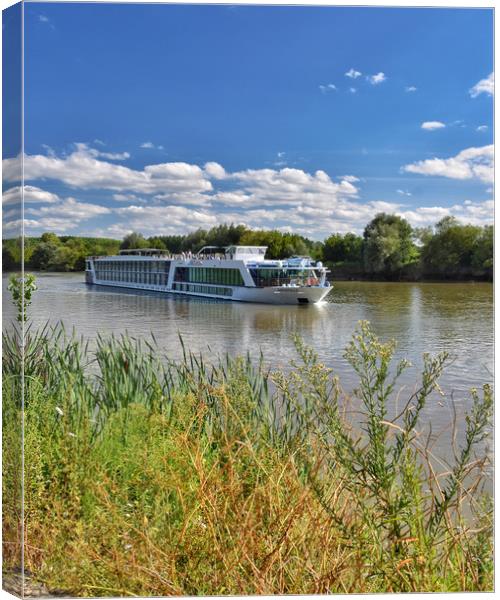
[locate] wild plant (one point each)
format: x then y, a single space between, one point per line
387 473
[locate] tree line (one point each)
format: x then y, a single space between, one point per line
389 249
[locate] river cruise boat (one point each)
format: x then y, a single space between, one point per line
234 273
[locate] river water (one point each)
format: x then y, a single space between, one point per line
421 317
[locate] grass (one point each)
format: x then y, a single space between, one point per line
149 477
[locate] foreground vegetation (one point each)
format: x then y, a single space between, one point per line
145 476
389 249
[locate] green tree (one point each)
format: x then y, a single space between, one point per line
50 238
279 245
156 242
449 252
173 243
343 248
482 254
64 259
44 256
225 235
133 240
9 261
388 245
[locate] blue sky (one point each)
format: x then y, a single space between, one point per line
163 118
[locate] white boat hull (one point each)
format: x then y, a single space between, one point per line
282 295
266 295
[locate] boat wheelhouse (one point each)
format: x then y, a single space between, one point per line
239 273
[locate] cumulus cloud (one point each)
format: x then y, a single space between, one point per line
82 147
329 87
353 74
471 163
432 125
14 227
484 86
114 156
177 197
292 187
376 79
125 197
166 219
66 215
410 88
475 213
71 208
353 90
482 128
31 194
215 171
83 169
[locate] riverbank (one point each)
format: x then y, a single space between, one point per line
152 477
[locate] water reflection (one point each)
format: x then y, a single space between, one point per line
422 317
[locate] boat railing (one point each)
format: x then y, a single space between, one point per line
178 256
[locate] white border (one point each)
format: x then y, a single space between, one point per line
366 3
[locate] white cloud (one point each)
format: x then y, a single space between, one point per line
31 194
484 86
114 156
184 198
72 209
214 170
471 163
410 88
124 197
83 169
482 128
291 187
150 145
178 197
50 151
166 219
353 74
432 125
67 215
404 192
82 147
475 213
15 226
329 87
376 79
353 90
